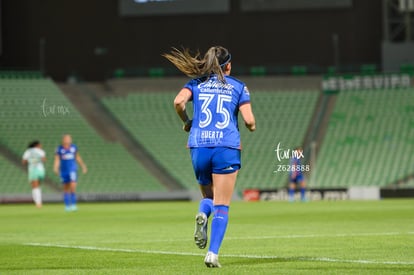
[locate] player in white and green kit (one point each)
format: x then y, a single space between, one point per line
34 156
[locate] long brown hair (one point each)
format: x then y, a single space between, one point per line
213 61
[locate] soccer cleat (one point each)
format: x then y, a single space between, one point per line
74 208
211 260
68 209
200 233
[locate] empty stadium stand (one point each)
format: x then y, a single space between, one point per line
282 117
32 107
369 140
151 119
369 137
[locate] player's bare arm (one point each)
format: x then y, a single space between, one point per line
248 116
81 163
179 103
56 165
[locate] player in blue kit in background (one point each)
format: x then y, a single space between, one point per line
65 166
214 138
296 177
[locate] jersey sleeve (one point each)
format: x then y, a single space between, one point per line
190 86
42 153
26 155
57 151
245 96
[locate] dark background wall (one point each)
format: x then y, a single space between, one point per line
74 29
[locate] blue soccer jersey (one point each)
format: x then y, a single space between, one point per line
67 159
216 106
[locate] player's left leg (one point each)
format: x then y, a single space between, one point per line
303 190
67 196
291 191
223 185
73 198
202 170
72 190
201 220
206 203
36 193
34 179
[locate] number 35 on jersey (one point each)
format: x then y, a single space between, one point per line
208 106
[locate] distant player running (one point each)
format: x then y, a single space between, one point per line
65 166
214 137
296 177
35 157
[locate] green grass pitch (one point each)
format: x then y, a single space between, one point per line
337 237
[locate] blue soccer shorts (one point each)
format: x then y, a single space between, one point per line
298 179
214 160
69 177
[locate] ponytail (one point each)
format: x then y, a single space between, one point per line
213 62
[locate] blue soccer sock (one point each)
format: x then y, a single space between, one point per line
206 206
73 198
67 199
303 193
291 194
218 227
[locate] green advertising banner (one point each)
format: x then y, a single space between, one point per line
335 84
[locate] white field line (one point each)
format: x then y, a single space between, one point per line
304 236
245 256
341 235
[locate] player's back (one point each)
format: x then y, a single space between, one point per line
215 106
34 157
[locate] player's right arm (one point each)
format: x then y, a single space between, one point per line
248 116
56 164
179 103
25 157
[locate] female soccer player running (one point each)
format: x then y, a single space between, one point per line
65 165
214 137
34 156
